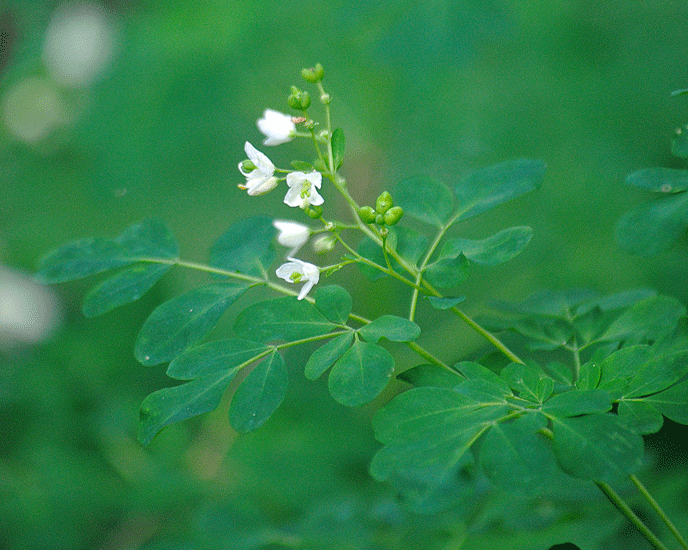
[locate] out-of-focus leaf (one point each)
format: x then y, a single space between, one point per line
425 199
360 374
170 405
325 356
598 447
391 327
578 402
281 319
259 394
660 180
215 357
431 375
338 147
445 302
647 320
516 458
448 272
492 186
679 145
334 302
148 239
653 227
183 321
494 250
123 288
246 247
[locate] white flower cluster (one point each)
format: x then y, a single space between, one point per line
259 172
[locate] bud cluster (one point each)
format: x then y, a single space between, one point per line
384 213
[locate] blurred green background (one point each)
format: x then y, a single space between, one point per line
125 109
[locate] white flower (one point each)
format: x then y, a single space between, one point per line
296 271
303 189
277 127
261 179
291 234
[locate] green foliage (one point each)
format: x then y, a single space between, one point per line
338 147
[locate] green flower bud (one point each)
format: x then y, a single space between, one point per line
324 243
383 203
298 99
313 74
393 215
325 99
313 211
379 219
367 214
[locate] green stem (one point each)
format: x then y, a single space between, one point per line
496 342
429 357
626 511
658 509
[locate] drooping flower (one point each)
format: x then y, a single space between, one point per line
277 127
291 234
296 271
303 189
260 175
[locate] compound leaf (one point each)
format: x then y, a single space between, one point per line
325 356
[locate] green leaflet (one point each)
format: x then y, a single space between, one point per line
325 356
246 247
285 319
653 227
170 405
391 327
431 375
672 402
183 321
475 371
334 302
360 374
124 287
484 189
338 147
445 303
578 402
529 381
640 416
660 180
425 199
427 428
148 239
650 319
215 357
259 395
494 250
448 272
597 447
516 458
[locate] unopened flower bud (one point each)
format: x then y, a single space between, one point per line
367 214
393 215
324 243
313 211
313 74
383 203
299 99
325 99
379 219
